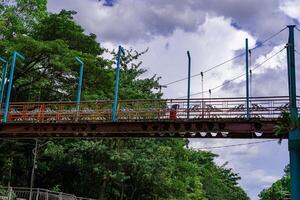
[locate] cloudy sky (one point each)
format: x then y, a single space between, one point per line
213 31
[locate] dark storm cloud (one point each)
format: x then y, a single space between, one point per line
130 20
261 18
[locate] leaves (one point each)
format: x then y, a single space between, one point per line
286 123
278 191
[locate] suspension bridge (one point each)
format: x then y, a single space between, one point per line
210 117
245 117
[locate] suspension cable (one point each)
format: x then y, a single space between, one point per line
241 75
199 74
235 145
250 66
229 60
269 38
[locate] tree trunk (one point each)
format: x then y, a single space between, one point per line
102 190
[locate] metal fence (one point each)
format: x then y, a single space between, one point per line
142 110
22 193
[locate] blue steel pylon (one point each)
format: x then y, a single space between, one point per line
189 84
79 83
3 79
114 109
294 135
11 76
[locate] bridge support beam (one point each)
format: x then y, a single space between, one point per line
230 128
294 135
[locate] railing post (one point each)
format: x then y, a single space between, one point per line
37 194
11 76
203 108
294 135
115 103
47 195
247 82
60 196
189 84
9 193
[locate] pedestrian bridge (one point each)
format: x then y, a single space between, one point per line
209 117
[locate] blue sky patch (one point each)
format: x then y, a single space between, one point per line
295 21
258 43
236 25
109 3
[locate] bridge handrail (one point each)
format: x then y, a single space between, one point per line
168 99
24 193
148 109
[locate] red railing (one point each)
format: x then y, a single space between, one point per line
143 110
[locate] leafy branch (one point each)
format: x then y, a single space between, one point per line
286 124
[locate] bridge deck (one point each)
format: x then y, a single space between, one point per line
230 128
214 117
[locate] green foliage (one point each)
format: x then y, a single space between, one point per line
50 71
219 182
128 169
279 190
20 16
56 188
62 26
286 123
6 193
117 168
3 191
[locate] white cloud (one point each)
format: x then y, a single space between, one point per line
269 70
276 62
291 8
213 42
261 176
131 20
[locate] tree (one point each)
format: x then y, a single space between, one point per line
122 169
286 124
20 16
50 71
219 182
279 190
63 27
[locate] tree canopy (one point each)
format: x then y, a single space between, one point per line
280 189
